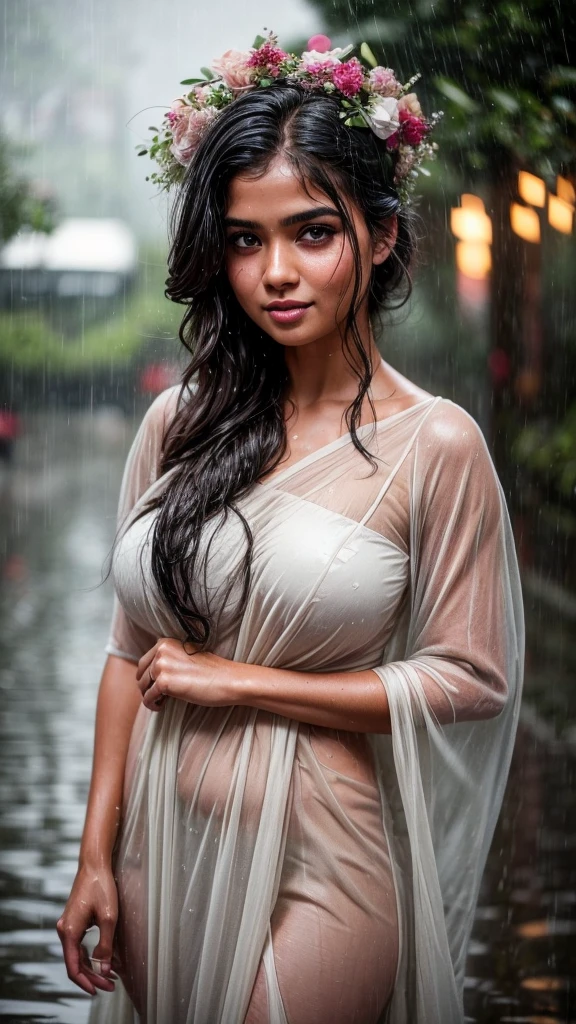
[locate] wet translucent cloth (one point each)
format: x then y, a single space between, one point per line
274 871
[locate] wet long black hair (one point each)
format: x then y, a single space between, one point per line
220 443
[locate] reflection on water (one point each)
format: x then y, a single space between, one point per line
57 509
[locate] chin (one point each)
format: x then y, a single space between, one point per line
292 342
293 335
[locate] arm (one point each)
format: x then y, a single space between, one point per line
355 701
118 702
337 700
93 899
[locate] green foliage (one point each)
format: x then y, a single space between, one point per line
20 205
27 340
367 55
500 68
550 452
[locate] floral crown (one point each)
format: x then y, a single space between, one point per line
369 97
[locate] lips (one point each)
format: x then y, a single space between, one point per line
288 314
289 304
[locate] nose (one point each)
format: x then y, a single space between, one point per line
281 267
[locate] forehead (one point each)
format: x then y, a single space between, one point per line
273 193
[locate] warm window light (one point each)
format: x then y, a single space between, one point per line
473 259
473 202
525 222
560 214
471 224
531 189
565 190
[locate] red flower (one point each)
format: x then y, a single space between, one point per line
413 128
348 77
266 56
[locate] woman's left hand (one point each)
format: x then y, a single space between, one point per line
174 669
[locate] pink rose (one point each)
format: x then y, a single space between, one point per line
384 82
233 68
201 93
411 103
187 131
319 43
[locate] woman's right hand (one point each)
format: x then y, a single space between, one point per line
92 901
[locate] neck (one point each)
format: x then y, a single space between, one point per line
320 371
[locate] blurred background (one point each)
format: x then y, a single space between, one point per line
87 340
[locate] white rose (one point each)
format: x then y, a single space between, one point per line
331 57
383 116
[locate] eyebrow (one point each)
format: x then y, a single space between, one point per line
295 218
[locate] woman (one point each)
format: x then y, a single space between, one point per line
306 717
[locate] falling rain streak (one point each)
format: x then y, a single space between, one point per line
87 339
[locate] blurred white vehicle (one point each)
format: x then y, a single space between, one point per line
84 258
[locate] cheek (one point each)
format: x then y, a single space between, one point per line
330 271
244 275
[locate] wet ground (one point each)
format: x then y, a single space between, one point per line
57 510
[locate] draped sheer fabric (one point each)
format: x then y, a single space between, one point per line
275 872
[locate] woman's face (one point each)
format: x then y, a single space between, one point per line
285 247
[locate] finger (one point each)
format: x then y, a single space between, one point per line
97 972
101 957
145 661
116 963
102 968
106 922
153 697
146 679
74 965
190 647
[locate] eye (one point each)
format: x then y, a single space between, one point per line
325 232
235 239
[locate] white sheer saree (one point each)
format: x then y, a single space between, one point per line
273 872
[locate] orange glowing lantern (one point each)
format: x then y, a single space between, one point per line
471 201
525 222
531 189
565 190
471 224
560 214
473 259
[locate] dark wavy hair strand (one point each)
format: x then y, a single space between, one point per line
220 444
